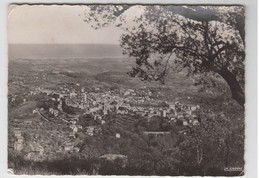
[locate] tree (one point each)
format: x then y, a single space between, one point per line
211 144
204 39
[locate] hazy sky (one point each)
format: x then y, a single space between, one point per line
55 24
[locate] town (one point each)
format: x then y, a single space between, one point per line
69 106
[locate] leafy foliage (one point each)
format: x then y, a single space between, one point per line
204 39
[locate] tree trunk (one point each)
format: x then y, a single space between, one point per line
236 90
199 156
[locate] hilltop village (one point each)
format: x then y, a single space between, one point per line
79 114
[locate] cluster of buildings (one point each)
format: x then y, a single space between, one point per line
121 101
36 152
98 104
126 101
19 139
69 147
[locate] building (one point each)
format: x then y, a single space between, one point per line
39 149
173 119
84 97
28 122
184 122
19 139
127 93
118 135
97 117
17 133
74 128
163 113
68 147
184 132
195 122
76 149
105 112
73 94
112 157
72 135
155 133
51 110
55 112
90 130
18 146
60 106
193 108
33 156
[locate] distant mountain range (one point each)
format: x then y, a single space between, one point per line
69 51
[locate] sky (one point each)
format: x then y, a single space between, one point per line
55 24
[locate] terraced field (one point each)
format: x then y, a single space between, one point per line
125 122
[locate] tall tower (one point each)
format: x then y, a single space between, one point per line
84 97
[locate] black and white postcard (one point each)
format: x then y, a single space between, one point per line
126 89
